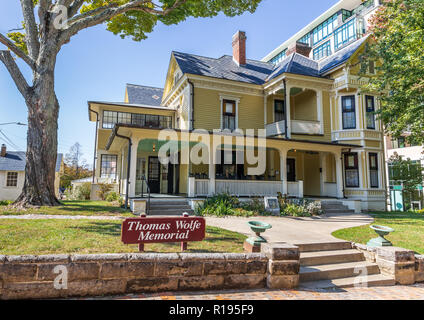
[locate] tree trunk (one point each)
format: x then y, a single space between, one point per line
43 111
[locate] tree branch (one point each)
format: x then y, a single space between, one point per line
15 73
73 9
92 18
12 47
31 29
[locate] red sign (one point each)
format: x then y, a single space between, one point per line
163 229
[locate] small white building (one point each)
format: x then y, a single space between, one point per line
12 173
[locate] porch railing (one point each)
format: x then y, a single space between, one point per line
276 128
304 126
200 187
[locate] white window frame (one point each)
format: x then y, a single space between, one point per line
17 180
232 98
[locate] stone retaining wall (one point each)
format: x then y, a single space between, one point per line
401 264
24 277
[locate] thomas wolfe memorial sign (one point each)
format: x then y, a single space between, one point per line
163 229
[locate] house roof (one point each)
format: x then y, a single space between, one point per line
259 72
340 56
144 95
254 72
16 161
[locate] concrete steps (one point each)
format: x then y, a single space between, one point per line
336 271
330 257
323 246
332 207
375 280
335 264
169 207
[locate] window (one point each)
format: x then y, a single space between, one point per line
12 179
306 39
228 168
279 57
108 166
369 102
351 170
324 29
371 67
229 115
124 117
373 170
348 112
139 119
346 14
109 119
279 110
345 34
322 51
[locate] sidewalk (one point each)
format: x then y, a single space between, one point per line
414 292
292 229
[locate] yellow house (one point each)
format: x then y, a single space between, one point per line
305 119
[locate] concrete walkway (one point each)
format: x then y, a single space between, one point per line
292 229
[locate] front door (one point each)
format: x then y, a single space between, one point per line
291 170
171 178
154 175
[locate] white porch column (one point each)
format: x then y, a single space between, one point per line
339 174
211 189
320 114
283 169
323 175
133 167
287 95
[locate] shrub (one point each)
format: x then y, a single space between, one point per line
104 189
314 208
295 210
83 192
112 196
5 202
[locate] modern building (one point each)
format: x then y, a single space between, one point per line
12 173
398 200
343 23
322 139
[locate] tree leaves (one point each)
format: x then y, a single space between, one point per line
398 42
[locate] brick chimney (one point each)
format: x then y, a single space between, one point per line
239 48
3 150
300 48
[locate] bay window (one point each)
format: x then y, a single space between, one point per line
370 109
351 170
373 159
348 112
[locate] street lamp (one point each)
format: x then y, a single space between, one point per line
18 123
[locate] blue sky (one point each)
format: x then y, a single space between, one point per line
96 64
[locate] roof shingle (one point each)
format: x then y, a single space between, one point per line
16 161
144 95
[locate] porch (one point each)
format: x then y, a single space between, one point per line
296 168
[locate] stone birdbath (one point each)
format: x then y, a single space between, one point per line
380 241
253 244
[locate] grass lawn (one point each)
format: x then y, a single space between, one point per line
408 234
73 208
18 237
